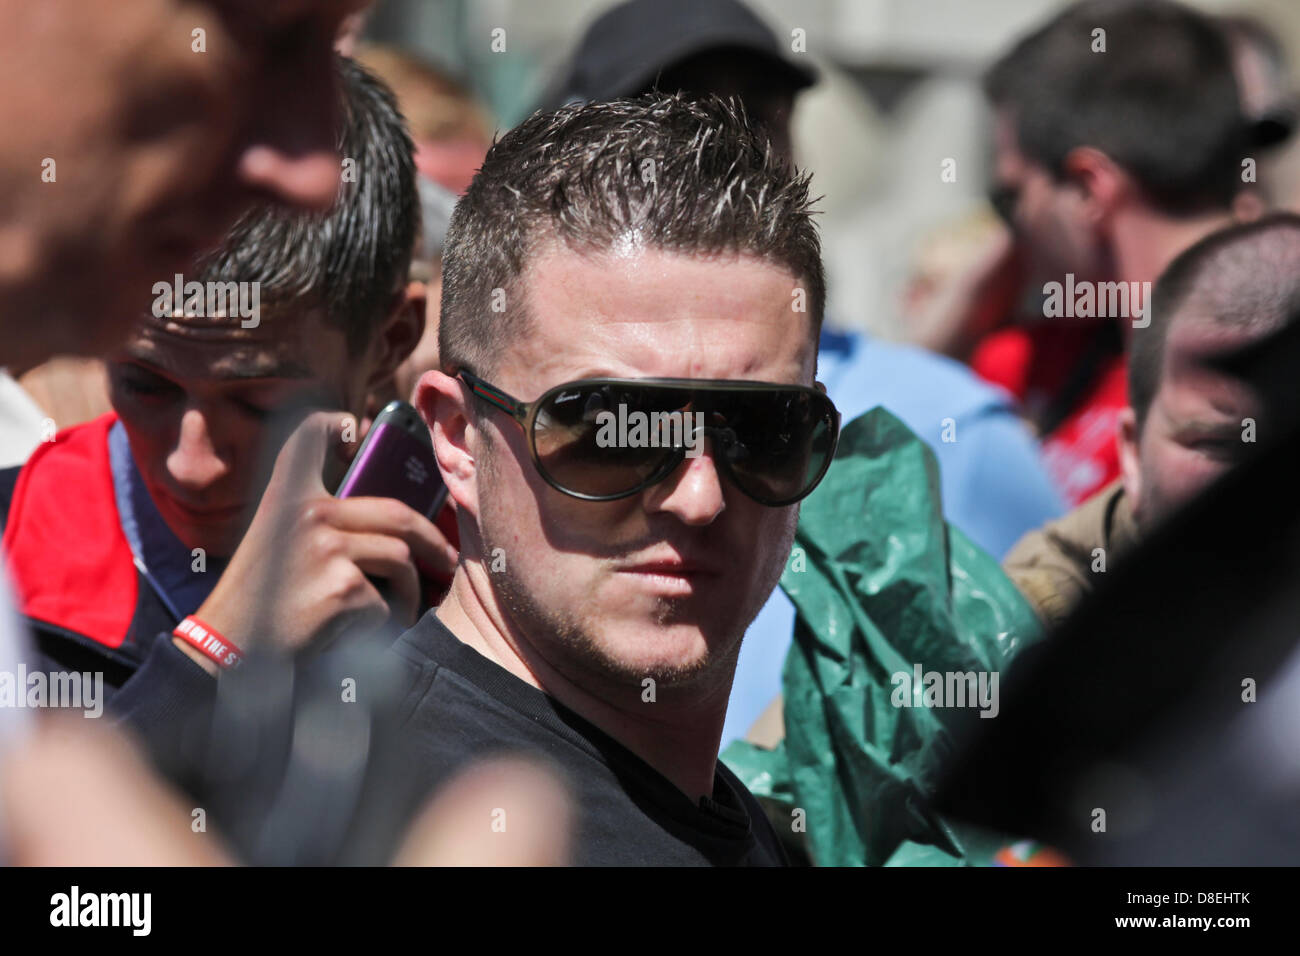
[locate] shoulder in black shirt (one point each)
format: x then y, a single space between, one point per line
459 706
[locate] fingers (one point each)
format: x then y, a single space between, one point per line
320 438
301 572
390 559
430 550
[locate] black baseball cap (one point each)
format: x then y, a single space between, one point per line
628 46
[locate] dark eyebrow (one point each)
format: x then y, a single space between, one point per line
287 368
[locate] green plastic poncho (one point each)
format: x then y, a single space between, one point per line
880 584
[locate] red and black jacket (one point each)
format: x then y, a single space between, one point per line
75 579
72 570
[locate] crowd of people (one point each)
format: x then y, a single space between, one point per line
574 659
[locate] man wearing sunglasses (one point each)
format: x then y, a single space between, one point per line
619 276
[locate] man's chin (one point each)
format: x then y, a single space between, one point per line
213 545
217 537
669 654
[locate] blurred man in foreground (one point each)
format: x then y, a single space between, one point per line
136 137
129 151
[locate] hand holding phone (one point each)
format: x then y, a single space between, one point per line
396 461
306 569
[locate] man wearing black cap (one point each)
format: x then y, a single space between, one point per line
718 46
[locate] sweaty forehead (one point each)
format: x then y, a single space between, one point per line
281 345
647 312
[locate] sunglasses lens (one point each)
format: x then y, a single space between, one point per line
608 440
580 447
778 444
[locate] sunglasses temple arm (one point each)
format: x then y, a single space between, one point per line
493 395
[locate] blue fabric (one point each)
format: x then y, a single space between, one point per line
993 482
161 557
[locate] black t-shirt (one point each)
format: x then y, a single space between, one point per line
460 706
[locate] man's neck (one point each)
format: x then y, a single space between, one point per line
677 735
1145 242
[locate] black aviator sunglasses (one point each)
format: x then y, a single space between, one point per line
772 441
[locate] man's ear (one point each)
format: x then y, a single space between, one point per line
1102 184
399 334
1130 462
440 401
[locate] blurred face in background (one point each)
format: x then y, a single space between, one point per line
1194 430
135 134
450 163
1046 215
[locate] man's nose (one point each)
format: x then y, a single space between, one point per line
308 181
194 463
290 152
693 492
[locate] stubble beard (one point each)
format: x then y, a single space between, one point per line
568 639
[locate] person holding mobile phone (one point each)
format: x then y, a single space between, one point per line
167 484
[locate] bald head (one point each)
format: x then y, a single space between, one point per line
1240 283
1191 420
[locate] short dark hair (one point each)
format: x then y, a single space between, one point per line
1247 275
352 259
579 175
1161 101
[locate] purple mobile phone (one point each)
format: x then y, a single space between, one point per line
396 461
